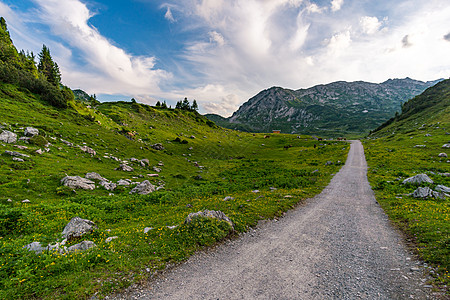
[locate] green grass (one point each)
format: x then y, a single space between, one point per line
392 157
234 164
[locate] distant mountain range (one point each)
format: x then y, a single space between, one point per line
338 108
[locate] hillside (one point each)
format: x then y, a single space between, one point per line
335 109
417 141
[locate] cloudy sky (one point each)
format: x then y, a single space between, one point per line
222 52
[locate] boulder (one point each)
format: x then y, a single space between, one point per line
143 188
156 169
442 188
446 146
18 159
110 186
31 131
123 182
36 247
228 198
95 176
219 215
88 150
124 167
8 137
158 146
145 161
77 182
426 192
84 245
418 179
77 227
111 238
442 155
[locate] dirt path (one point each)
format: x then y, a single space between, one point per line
339 245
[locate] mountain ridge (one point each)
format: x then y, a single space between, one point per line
337 108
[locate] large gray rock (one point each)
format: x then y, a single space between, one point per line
446 146
442 188
219 215
31 131
78 227
426 192
123 182
110 186
418 179
442 155
95 176
124 167
84 245
36 247
143 188
8 137
77 182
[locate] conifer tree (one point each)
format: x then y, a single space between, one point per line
194 106
48 67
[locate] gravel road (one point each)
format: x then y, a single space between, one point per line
339 245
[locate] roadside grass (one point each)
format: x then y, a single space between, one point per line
404 150
200 165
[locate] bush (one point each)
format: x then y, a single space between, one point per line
38 140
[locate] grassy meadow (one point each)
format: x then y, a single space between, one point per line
406 148
200 166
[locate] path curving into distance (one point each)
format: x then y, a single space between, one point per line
340 245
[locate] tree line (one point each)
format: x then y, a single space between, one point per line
183 105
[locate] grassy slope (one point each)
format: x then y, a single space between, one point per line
392 157
234 163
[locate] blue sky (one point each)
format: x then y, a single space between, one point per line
222 52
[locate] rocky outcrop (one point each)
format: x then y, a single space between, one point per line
418 179
143 188
16 154
219 215
158 146
124 167
443 188
95 176
108 185
8 137
77 182
84 245
77 227
426 192
88 150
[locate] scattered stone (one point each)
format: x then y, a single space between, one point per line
426 192
95 176
31 131
108 185
147 229
446 146
192 137
133 159
288 196
152 175
328 163
124 167
88 150
143 188
84 245
157 146
198 177
67 143
272 188
77 182
9 200
156 169
123 182
77 227
219 215
14 153
18 159
255 191
8 137
442 155
21 147
428 135
111 238
145 161
419 146
228 198
24 139
26 201
442 188
39 151
172 227
418 179
161 164
35 246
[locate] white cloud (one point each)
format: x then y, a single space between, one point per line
216 37
336 4
370 25
169 15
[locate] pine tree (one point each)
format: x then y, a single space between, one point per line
179 105
194 106
48 67
185 105
158 104
164 104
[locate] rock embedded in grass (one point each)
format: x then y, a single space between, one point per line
442 188
95 176
8 137
78 227
124 167
418 179
442 155
426 192
84 245
446 146
77 182
219 215
31 131
143 188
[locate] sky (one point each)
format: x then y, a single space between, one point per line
223 52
